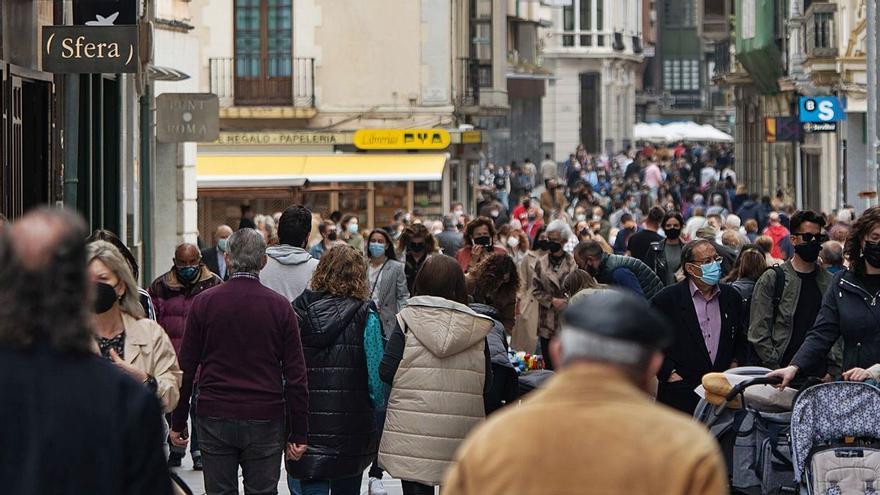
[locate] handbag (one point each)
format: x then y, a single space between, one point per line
374 348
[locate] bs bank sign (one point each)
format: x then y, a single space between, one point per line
90 49
821 109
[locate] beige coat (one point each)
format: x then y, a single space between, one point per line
524 336
437 394
588 431
148 348
546 285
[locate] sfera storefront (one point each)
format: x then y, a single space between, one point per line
371 173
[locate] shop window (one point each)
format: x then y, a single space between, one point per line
428 198
318 202
389 198
353 200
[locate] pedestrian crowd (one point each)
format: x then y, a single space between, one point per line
346 351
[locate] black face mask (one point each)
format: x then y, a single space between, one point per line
417 247
871 252
541 244
553 246
484 241
332 235
527 204
672 233
808 251
105 297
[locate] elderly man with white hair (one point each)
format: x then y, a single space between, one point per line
550 272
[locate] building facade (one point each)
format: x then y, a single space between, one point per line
298 80
594 51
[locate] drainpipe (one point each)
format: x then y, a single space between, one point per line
146 169
71 127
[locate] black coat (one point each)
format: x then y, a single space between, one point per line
688 355
209 258
850 312
77 424
343 438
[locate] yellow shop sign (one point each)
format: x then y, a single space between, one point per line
402 139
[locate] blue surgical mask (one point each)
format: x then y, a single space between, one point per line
188 273
223 244
352 228
711 273
377 249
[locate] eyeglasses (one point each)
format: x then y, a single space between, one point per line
808 237
717 259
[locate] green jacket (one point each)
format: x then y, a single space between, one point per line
768 346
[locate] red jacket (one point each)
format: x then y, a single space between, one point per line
777 233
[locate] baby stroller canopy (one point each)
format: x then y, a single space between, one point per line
829 412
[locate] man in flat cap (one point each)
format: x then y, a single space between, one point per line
593 428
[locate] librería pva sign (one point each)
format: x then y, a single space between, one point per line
90 49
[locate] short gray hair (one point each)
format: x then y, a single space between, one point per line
562 227
588 346
246 250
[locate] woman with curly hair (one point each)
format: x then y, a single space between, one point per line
849 310
416 246
479 243
495 282
343 437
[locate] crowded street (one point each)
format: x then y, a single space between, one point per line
469 247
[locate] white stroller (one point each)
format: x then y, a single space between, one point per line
835 439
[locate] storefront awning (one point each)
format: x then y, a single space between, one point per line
293 170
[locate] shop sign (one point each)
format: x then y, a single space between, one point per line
282 138
90 49
820 109
471 137
820 127
187 118
402 139
781 129
105 12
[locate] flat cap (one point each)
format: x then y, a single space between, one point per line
620 315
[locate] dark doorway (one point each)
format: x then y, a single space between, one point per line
36 144
591 99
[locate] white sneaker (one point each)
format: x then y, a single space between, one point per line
376 487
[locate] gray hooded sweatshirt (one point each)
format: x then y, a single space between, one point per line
288 270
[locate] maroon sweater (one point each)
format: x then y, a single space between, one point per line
245 337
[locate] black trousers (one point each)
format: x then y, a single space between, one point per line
255 445
413 488
545 351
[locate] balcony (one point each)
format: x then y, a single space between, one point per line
821 39
254 86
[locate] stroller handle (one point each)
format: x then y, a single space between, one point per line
742 386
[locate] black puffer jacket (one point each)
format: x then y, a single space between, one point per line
342 430
648 280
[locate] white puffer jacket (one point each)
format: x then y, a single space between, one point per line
437 395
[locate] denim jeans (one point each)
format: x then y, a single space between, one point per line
255 445
345 486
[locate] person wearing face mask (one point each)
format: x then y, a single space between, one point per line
787 299
550 273
524 336
136 345
214 257
173 294
329 238
479 243
350 233
708 327
849 312
417 244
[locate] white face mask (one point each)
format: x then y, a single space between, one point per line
580 217
513 242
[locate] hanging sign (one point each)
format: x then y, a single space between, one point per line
187 118
90 49
105 12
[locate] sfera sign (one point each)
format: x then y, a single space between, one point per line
90 49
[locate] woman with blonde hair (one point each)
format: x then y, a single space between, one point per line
343 435
135 344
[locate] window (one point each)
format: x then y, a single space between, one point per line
481 42
679 13
583 15
681 75
263 51
822 26
820 36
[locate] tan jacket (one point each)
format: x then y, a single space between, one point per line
148 348
437 394
588 431
525 331
546 285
